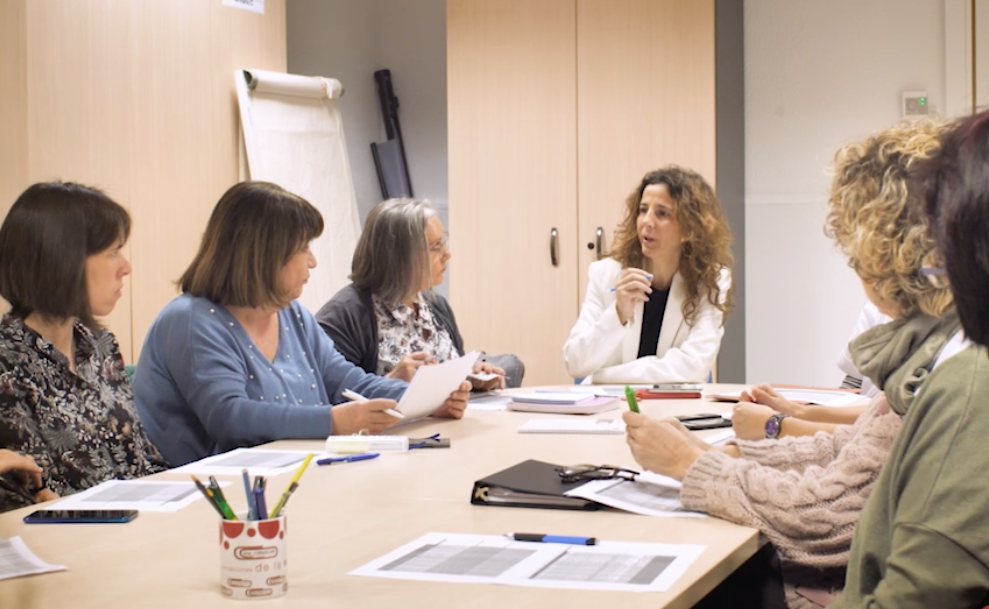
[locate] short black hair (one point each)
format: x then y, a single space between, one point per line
44 241
955 186
255 228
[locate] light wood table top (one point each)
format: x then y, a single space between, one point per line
345 515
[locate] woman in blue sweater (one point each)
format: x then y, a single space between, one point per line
235 360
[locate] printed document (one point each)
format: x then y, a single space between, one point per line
257 461
432 385
142 495
16 559
650 495
491 559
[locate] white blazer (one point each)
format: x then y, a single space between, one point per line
603 350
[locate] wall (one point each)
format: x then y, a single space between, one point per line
136 98
349 41
818 73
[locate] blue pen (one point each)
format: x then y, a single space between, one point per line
539 537
259 506
249 493
347 459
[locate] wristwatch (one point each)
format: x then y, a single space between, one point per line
774 424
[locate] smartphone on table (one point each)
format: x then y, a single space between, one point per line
697 422
80 516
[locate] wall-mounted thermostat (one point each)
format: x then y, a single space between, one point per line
915 103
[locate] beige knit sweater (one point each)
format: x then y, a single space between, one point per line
804 493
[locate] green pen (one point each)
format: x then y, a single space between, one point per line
221 501
630 396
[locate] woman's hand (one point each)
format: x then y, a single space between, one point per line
632 286
356 417
29 472
659 446
764 394
486 368
749 420
456 404
406 367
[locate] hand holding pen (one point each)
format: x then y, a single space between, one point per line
26 478
370 416
632 286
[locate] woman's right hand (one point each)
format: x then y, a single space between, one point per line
764 394
356 417
632 286
406 367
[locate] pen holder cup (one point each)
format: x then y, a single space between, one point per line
253 562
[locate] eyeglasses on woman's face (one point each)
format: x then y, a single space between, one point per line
937 276
586 472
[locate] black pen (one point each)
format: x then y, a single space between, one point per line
541 538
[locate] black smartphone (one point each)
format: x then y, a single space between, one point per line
80 516
683 418
700 424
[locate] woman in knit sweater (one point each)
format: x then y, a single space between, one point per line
806 493
922 540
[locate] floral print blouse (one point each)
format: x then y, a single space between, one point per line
82 427
404 330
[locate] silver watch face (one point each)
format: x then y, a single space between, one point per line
773 427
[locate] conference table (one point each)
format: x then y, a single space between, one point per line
345 515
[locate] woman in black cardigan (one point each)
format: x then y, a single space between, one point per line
389 321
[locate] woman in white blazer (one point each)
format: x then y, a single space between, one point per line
655 308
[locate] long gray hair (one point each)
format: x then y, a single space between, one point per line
392 255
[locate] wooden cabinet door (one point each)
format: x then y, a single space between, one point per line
511 79
645 98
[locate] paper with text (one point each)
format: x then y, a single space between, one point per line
492 559
16 559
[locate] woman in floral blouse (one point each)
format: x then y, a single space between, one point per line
65 399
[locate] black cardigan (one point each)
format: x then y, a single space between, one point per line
348 318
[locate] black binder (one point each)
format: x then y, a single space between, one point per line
532 484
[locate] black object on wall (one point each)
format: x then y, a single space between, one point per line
389 156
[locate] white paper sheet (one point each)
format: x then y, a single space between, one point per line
16 559
258 461
141 495
488 400
432 385
823 397
493 559
650 495
719 437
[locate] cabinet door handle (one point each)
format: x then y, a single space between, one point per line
554 242
599 242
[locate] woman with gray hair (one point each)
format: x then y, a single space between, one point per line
389 321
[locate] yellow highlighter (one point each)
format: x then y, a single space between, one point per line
294 482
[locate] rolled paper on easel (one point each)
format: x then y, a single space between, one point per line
313 87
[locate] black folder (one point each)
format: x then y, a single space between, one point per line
532 484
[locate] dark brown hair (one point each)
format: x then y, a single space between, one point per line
255 229
706 237
955 188
44 241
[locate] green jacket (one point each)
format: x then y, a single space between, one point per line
923 539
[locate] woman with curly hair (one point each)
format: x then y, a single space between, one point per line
806 493
655 308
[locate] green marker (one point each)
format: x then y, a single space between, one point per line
630 396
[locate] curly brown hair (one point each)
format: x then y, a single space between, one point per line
870 215
706 237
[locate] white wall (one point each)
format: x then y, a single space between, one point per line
818 73
349 40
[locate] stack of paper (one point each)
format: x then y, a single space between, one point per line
562 403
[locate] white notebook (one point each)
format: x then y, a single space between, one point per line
574 425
